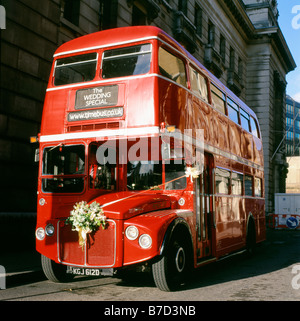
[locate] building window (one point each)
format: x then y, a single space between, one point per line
198 20
289 135
182 6
72 10
289 109
108 14
223 48
240 68
211 34
139 18
231 59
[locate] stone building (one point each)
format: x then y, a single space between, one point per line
292 141
238 40
293 176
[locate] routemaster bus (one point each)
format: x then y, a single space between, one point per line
115 101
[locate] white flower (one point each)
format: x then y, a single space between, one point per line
86 219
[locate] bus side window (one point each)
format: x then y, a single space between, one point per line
198 84
248 185
218 98
245 120
222 178
254 127
258 186
172 67
236 184
233 111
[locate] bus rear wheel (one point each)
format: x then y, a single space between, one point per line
55 272
171 270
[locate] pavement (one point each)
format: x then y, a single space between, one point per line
17 244
16 263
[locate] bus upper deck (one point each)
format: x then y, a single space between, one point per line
113 83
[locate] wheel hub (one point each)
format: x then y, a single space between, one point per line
180 259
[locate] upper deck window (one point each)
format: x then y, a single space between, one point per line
233 110
172 67
75 69
128 61
245 120
198 84
218 98
254 127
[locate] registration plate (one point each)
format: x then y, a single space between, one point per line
83 271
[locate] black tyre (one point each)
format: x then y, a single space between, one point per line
172 269
55 272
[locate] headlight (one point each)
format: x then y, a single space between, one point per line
42 201
132 232
40 233
49 230
145 241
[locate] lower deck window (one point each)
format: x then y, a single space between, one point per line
258 186
142 175
222 178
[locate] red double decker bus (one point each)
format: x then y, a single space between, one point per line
119 107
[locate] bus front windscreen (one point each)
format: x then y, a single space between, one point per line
63 169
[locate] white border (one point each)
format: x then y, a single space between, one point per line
101 133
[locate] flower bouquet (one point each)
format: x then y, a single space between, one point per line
86 218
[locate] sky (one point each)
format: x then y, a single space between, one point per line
289 23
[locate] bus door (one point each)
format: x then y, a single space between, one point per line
204 200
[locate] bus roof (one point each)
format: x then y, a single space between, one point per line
123 35
110 37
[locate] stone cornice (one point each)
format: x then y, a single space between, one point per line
237 10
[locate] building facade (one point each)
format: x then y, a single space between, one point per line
292 144
292 141
238 40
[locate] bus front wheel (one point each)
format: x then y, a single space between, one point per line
171 270
55 272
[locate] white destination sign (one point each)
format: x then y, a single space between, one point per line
96 97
